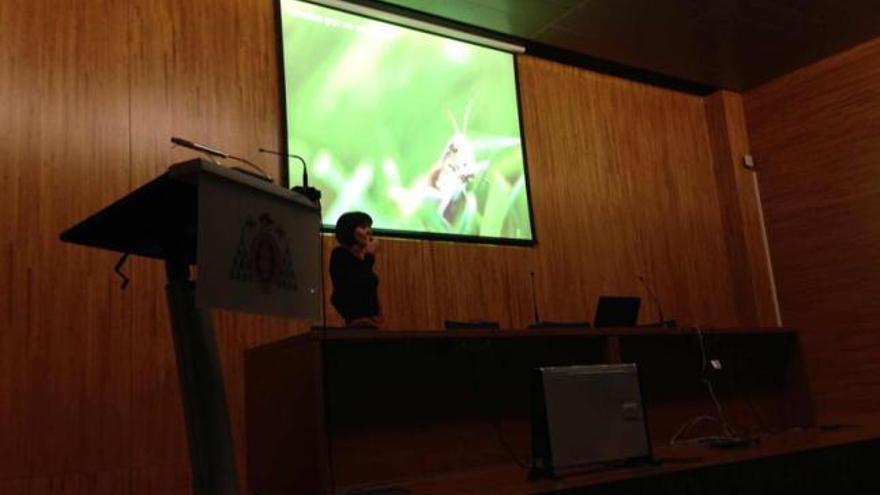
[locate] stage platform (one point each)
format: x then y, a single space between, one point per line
840 461
447 412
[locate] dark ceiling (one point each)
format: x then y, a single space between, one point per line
697 45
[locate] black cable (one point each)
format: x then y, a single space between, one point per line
725 426
507 448
728 433
478 390
323 284
762 424
327 439
494 418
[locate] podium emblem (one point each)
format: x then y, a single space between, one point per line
263 256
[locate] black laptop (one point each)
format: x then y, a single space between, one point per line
617 311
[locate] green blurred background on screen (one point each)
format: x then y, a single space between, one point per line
420 131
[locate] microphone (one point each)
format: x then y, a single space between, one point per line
222 154
662 322
309 192
550 324
535 300
198 147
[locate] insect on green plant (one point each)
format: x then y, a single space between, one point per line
455 168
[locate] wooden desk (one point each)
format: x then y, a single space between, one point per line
353 408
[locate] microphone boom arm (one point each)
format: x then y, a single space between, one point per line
253 165
663 323
310 192
214 152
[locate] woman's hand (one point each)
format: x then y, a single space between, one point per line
372 245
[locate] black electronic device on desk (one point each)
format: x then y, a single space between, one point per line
560 324
474 324
617 311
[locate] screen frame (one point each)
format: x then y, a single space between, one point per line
285 160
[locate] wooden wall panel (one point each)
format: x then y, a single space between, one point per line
622 183
65 144
753 283
623 186
815 136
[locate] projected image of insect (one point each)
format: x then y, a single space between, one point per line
455 168
466 188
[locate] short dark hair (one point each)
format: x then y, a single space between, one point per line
347 223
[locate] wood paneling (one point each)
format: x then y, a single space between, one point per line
753 285
815 137
622 178
65 344
623 182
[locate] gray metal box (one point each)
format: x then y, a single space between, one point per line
585 415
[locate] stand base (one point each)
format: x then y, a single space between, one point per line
212 458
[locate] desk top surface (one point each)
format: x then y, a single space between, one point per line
374 334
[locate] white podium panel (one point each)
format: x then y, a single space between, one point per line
258 249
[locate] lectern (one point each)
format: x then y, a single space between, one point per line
257 247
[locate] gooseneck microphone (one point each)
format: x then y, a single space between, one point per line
662 322
535 299
198 147
307 191
208 150
539 323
